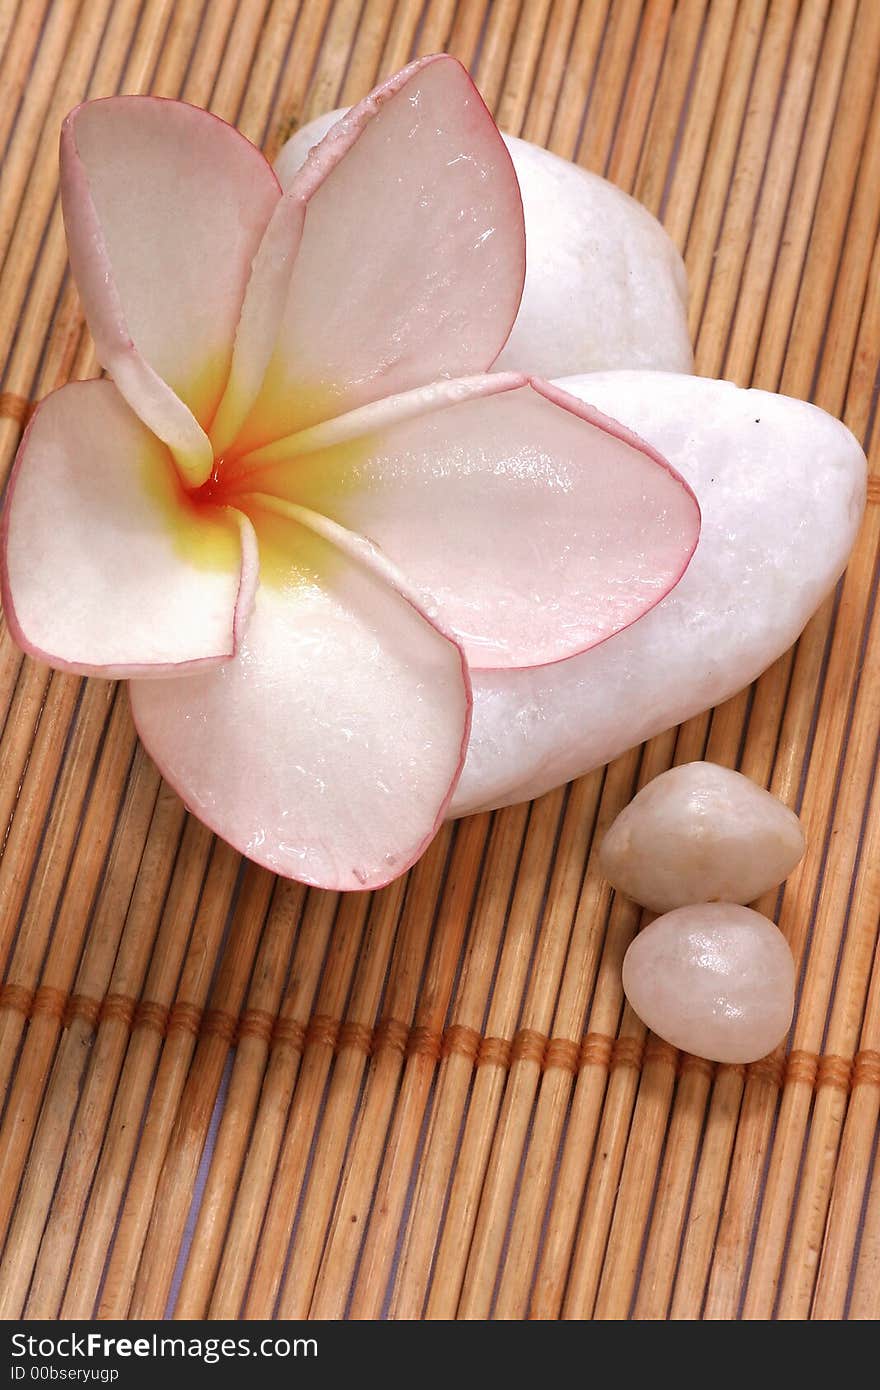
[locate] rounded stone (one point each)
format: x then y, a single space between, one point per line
714 979
781 488
701 833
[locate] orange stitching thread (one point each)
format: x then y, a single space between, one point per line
834 1071
186 1018
149 1014
84 1007
219 1023
290 1032
17 998
357 1036
562 1054
118 1006
461 1039
594 1049
322 1030
866 1068
424 1042
18 408
801 1066
494 1052
529 1046
48 1000
768 1069
627 1052
656 1050
255 1023
391 1034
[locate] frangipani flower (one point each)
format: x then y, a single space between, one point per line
294 545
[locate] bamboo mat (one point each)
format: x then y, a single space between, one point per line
433 1099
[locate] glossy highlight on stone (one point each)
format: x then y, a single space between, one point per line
700 833
714 979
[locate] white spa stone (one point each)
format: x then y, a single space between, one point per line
605 286
716 980
781 486
700 833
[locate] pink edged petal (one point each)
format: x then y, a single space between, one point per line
411 262
328 750
107 569
357 427
260 320
165 206
540 526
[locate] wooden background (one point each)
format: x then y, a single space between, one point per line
435 1101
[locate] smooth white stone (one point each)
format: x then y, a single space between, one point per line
716 980
781 486
700 833
605 286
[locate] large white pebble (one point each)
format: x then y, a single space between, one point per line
781 488
716 980
605 286
700 833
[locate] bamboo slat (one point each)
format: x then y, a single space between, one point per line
433 1101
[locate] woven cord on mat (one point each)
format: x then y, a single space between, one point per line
434 1100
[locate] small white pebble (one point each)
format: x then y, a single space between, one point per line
701 833
715 979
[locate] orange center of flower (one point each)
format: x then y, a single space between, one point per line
273 493
218 491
